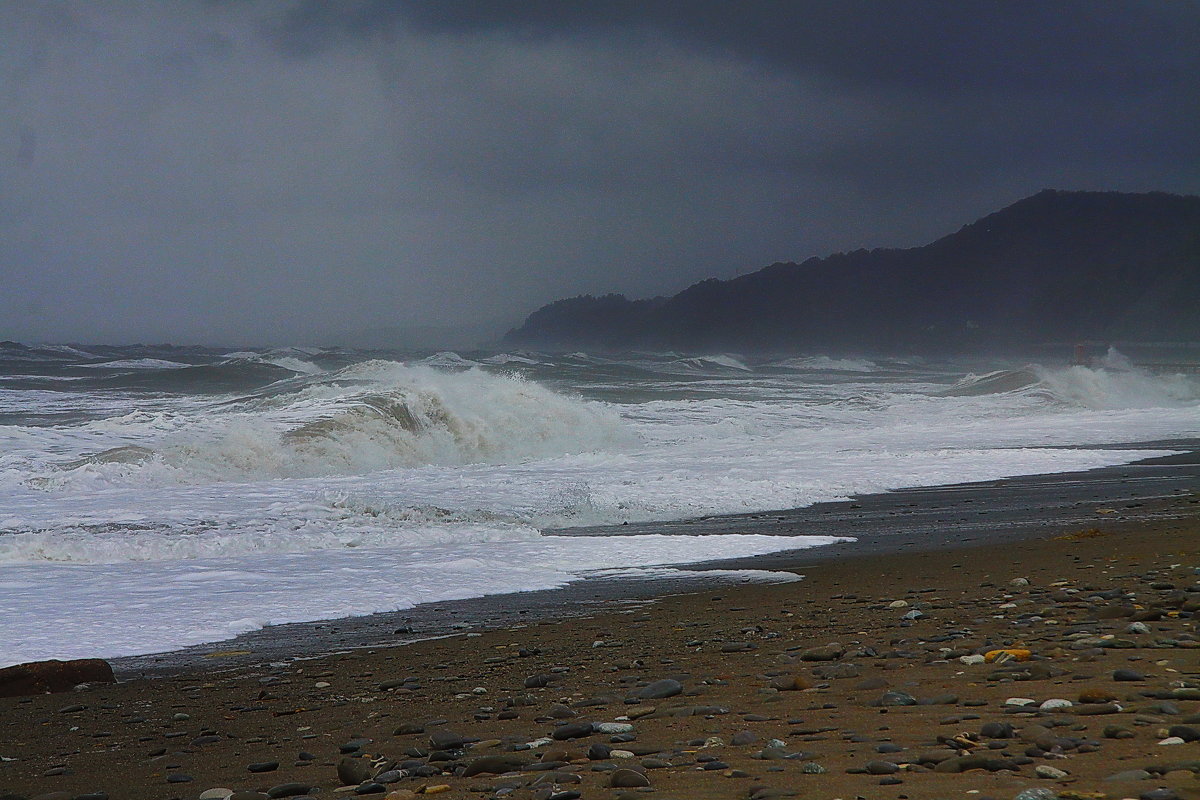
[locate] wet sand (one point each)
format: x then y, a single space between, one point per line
858 681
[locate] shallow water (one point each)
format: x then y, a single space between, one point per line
152 498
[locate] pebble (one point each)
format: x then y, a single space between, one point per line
1185 732
1129 775
573 730
830 652
446 740
896 698
494 765
1096 696
1053 703
667 687
1036 794
1020 702
263 766
1117 732
598 751
218 793
1159 794
353 771
996 730
1127 675
354 745
1049 772
628 779
289 790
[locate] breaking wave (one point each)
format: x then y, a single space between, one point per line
371 416
826 363
717 363
1113 384
137 363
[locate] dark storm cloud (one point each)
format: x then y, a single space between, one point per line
283 170
938 45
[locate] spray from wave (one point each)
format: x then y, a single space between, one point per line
371 416
1111 383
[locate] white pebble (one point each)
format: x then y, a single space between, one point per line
1056 702
322 684
1172 740
898 604
620 754
1020 701
972 659
1137 627
612 727
1019 582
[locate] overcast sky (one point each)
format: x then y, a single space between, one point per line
285 170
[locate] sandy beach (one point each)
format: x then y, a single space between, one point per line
875 676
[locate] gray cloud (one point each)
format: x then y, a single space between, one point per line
241 171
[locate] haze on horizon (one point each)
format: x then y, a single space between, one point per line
291 171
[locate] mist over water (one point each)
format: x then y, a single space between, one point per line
152 498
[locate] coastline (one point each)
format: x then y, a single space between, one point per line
905 520
741 655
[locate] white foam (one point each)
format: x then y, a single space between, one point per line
1112 389
372 416
710 363
509 358
137 363
348 470
448 360
102 611
826 363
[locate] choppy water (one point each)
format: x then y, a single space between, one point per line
152 498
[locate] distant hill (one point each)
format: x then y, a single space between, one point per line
1055 267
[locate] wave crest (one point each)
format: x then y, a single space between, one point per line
367 417
1113 384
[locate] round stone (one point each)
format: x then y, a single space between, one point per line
628 779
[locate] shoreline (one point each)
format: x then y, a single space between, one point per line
767 706
918 519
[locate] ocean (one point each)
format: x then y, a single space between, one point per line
153 498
